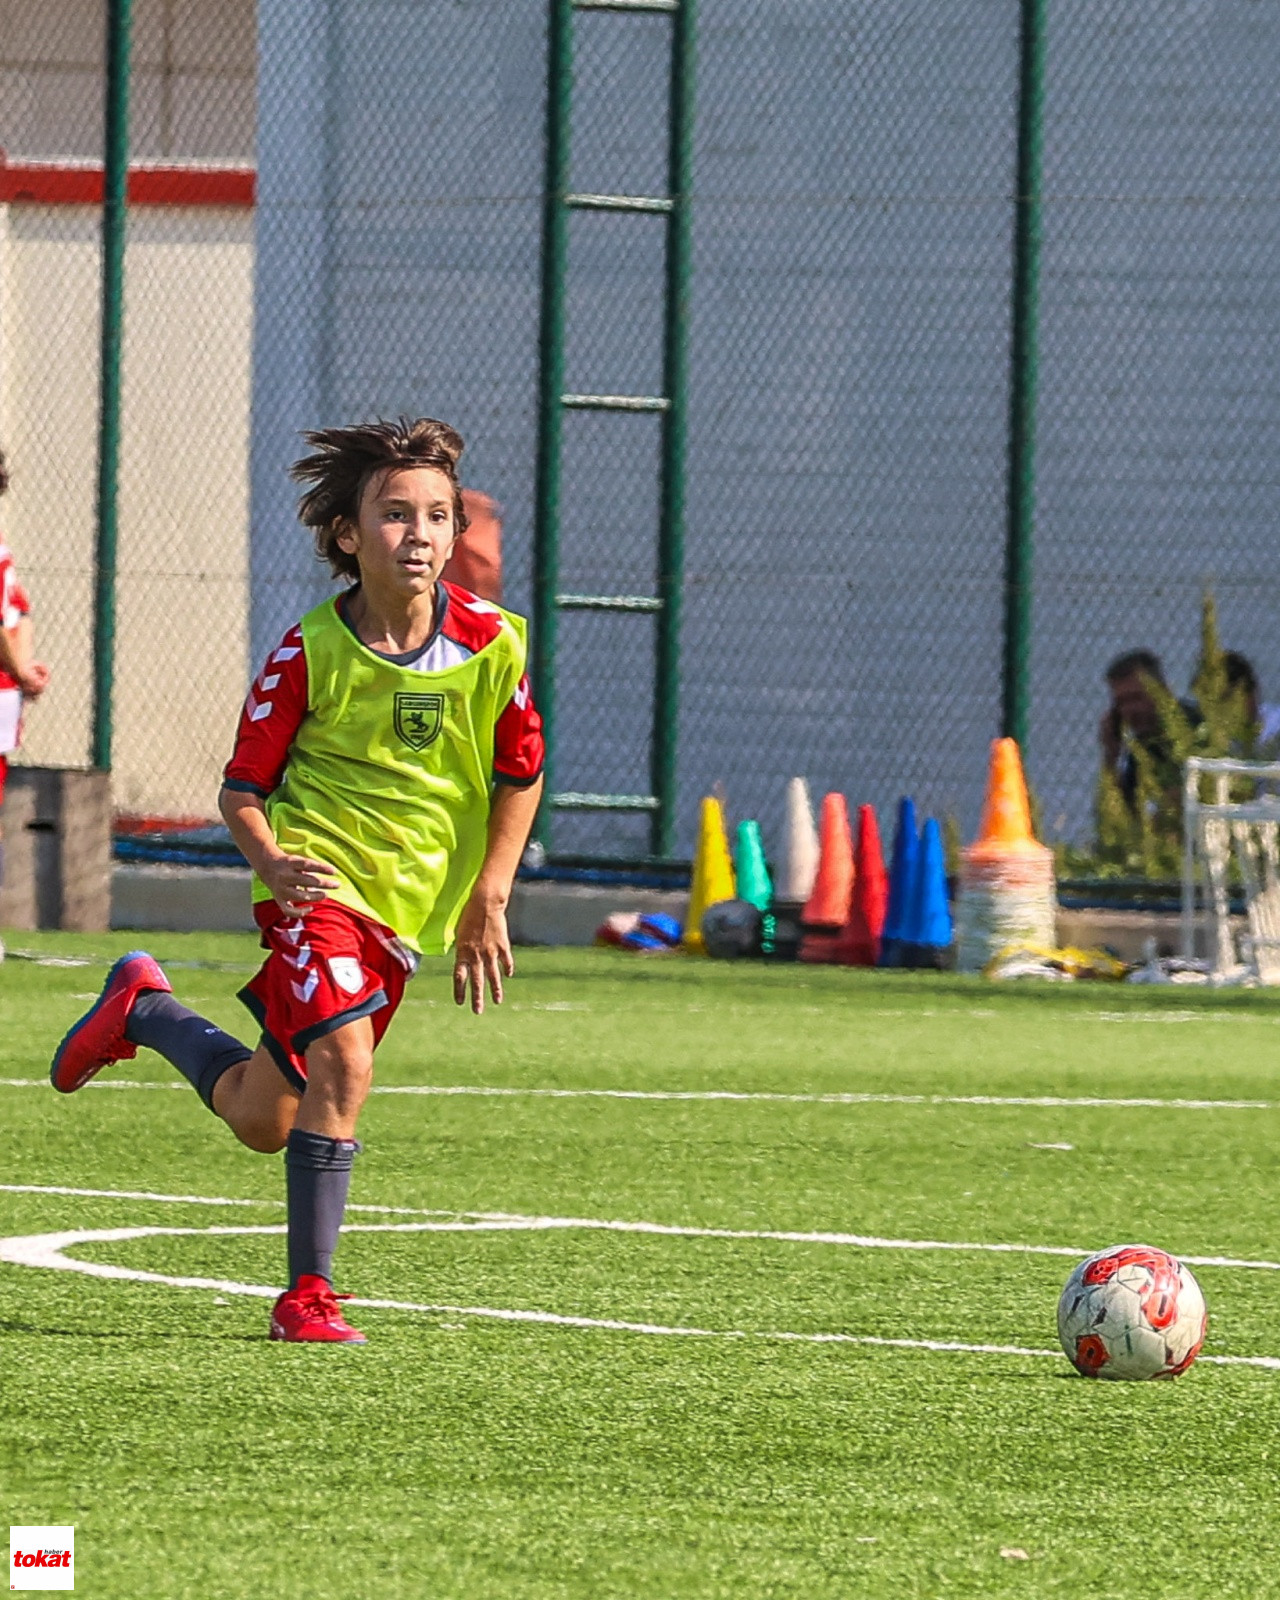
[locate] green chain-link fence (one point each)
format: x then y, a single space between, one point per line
852 210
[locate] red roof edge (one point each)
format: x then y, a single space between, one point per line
54 183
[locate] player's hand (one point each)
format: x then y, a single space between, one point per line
33 679
297 882
482 953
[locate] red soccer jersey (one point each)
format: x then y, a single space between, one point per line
278 699
14 604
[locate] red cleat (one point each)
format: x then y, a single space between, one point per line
310 1314
98 1038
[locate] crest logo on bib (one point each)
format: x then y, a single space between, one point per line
418 718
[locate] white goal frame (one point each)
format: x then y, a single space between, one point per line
1211 831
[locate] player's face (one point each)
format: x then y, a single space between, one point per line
405 532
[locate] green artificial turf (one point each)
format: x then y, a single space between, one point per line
461 1455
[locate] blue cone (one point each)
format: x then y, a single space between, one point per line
929 930
903 871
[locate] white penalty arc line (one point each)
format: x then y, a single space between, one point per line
48 1251
850 1098
514 1222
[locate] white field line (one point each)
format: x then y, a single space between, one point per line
1049 1101
48 1251
97 1083
836 1099
201 1199
512 1222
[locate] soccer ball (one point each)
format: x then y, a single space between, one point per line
1131 1312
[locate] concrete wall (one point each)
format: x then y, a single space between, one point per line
183 558
181 660
193 80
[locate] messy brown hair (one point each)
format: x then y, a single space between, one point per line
347 459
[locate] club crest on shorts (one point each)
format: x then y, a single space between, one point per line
346 973
418 718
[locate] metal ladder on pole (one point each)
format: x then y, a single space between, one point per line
553 402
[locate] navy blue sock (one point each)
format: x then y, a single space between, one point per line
201 1052
317 1177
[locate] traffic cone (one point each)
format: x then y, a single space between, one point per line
749 866
1007 894
860 938
827 909
929 931
1006 813
712 879
902 878
799 855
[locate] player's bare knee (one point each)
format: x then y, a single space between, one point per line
340 1068
266 1138
265 1130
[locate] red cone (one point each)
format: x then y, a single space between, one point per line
859 943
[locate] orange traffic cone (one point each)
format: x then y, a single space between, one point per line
1007 895
827 909
1006 814
712 873
859 942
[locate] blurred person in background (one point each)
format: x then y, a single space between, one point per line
476 562
1264 717
22 677
1133 718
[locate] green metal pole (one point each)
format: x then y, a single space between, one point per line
555 240
1015 677
114 199
666 693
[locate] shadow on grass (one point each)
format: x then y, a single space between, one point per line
8 1325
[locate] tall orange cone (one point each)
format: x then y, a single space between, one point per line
827 908
712 873
1007 892
1006 814
859 943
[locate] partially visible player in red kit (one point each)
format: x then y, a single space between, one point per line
22 677
386 773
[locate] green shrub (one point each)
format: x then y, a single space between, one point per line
1145 840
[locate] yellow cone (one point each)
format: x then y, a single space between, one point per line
712 873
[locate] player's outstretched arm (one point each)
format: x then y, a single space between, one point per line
295 881
482 953
17 657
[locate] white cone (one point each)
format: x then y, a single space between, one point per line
799 864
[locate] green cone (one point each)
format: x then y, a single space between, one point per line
749 868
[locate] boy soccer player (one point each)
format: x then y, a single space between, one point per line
386 773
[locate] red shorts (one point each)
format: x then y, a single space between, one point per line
326 968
